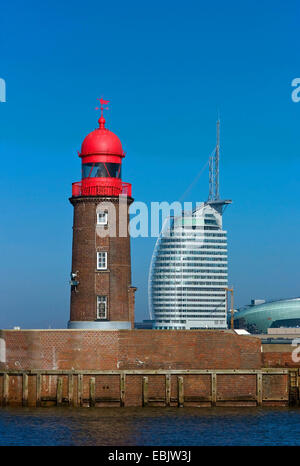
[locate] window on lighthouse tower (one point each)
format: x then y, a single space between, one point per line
101 260
102 217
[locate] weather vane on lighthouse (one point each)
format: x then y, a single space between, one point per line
102 102
101 120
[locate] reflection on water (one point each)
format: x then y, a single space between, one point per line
150 426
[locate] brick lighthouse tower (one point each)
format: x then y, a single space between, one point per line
101 293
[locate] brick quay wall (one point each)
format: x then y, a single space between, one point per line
141 367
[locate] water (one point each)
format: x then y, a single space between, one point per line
150 426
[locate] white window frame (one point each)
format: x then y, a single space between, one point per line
102 213
100 300
102 265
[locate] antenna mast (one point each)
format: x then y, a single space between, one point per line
217 158
214 189
211 178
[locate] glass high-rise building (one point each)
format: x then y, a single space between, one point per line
188 272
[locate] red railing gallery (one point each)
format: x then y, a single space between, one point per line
78 189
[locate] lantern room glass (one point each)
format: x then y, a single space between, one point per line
101 170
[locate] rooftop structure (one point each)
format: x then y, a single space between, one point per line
258 318
101 154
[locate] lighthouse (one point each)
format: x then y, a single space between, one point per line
102 296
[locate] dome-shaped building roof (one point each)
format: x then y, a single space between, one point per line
101 141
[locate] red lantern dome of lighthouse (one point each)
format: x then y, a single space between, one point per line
101 155
101 141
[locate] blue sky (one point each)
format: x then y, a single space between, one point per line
167 67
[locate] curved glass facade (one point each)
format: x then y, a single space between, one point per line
188 273
258 318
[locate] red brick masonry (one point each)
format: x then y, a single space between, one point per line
129 349
141 350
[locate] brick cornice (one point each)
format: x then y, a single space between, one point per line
96 199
